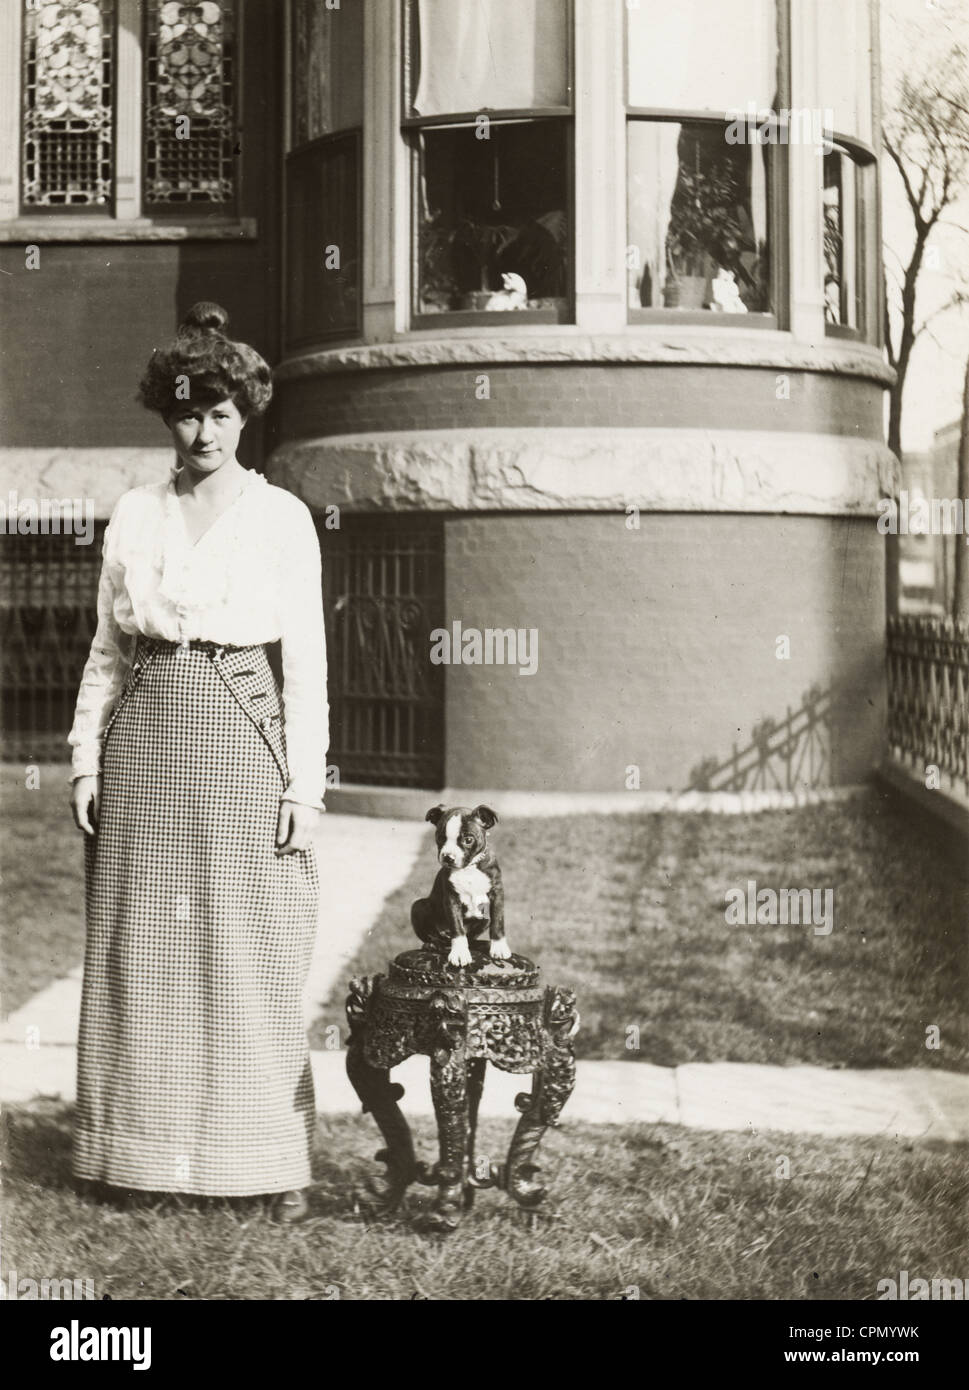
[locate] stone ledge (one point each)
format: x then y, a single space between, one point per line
82 230
676 470
98 475
726 348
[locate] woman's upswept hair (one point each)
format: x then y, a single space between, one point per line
201 363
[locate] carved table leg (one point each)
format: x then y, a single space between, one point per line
476 1178
379 1096
551 1088
449 1092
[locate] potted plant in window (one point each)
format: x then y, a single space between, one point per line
706 233
482 242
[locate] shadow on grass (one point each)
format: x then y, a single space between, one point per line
637 1211
630 912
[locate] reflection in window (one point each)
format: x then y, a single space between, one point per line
699 210
848 197
493 227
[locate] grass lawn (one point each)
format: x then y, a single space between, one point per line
42 868
630 911
671 1213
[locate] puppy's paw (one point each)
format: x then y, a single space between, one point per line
500 950
460 952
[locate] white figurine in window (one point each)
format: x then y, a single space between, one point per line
726 295
512 295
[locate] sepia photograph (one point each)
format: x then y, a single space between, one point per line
484 664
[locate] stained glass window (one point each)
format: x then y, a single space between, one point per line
190 140
68 128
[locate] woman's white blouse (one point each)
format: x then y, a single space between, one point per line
254 576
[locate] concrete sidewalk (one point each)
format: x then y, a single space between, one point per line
911 1104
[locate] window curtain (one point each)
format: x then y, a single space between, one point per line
491 54
702 55
654 165
844 64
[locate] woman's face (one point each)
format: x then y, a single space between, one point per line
206 436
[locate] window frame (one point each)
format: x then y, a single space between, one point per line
475 318
130 217
862 158
778 170
411 126
291 342
292 345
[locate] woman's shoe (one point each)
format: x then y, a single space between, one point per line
290 1207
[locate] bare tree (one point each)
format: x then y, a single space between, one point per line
925 134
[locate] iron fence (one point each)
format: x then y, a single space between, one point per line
48 614
928 694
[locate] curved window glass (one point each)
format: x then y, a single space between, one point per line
849 243
323 172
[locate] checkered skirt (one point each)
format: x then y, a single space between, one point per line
193 1064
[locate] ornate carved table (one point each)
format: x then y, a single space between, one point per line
461 1018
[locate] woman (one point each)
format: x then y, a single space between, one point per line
198 789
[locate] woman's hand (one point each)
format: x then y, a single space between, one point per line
294 829
86 802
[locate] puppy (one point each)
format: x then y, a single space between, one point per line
467 894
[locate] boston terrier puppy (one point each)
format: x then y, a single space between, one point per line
467 894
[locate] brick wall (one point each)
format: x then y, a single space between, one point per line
580 394
657 646
77 331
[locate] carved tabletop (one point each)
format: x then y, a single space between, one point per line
493 1010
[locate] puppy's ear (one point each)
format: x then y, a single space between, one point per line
435 813
486 816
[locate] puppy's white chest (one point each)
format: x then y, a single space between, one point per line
471 886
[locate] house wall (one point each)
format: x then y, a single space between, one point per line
657 646
77 331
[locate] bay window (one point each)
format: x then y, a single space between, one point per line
705 161
487 115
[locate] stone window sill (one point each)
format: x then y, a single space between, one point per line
81 230
660 344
